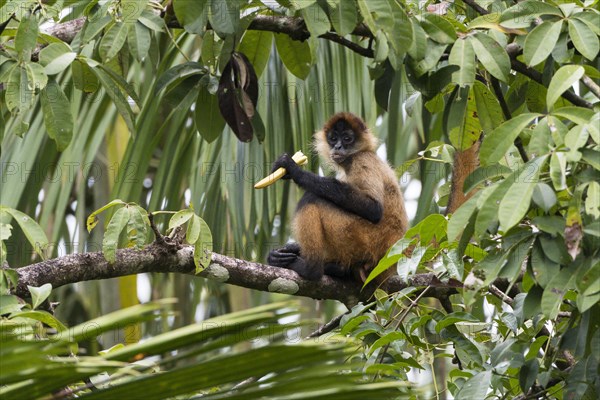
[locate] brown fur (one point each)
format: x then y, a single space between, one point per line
325 233
465 162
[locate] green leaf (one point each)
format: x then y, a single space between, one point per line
295 55
418 47
92 220
39 294
476 387
531 305
153 21
587 282
544 196
434 52
256 45
541 138
463 55
431 229
466 351
514 262
492 264
386 339
400 37
453 318
315 19
528 374
555 291
27 33
438 28
33 232
472 128
591 157
42 316
203 246
36 76
584 39
224 16
497 142
209 121
113 230
590 18
58 119
558 170
562 81
377 15
540 42
10 304
460 218
489 111
176 75
84 78
192 233
94 26
56 57
483 174
137 226
493 56
516 201
344 17
180 218
395 253
576 138
523 14
593 128
131 10
454 264
193 15
138 40
113 40
579 115
408 266
120 101
592 201
19 95
382 48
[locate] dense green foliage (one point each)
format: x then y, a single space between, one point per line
153 104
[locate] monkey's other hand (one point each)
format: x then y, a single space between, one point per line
285 161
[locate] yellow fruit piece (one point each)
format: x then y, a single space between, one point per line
299 158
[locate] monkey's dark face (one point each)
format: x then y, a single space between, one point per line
341 139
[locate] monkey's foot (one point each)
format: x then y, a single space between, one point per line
288 257
284 256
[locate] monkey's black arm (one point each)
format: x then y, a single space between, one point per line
338 192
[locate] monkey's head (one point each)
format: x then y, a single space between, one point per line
342 136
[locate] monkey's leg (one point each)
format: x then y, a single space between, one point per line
335 269
306 269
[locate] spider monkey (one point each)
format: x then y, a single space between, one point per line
343 225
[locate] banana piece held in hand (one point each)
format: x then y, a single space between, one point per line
299 158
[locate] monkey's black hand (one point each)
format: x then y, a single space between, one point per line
285 161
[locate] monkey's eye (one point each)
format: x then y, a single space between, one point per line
347 139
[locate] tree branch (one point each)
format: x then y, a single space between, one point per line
537 76
505 110
476 7
295 28
165 259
